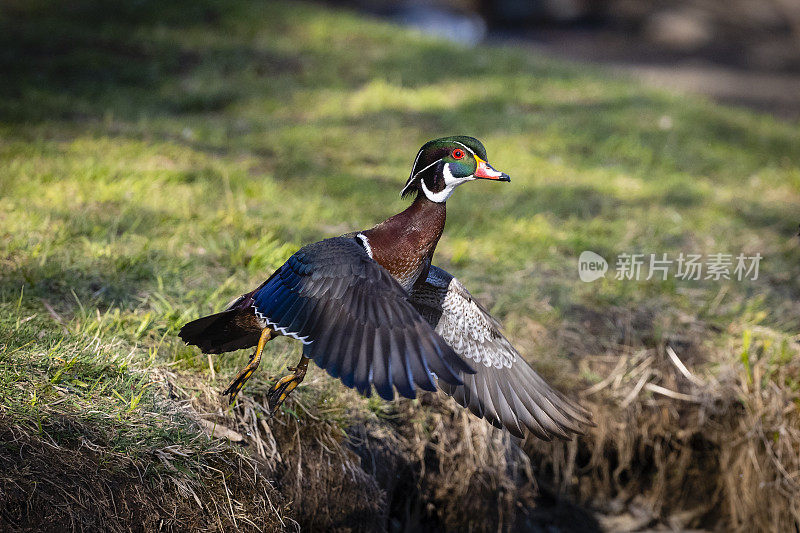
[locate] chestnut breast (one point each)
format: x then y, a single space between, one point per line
404 244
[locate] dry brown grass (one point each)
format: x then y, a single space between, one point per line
681 440
714 449
424 465
761 464
303 451
63 476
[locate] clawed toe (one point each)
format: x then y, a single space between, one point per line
236 385
283 387
280 391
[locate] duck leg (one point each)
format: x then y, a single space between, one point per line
242 377
284 386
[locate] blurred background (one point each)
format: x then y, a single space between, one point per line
157 159
742 51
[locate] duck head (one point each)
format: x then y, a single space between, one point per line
443 164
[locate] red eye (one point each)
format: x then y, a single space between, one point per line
458 153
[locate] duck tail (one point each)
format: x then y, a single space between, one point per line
233 329
222 332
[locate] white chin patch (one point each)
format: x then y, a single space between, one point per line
450 183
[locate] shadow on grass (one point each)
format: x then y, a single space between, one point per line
101 284
84 59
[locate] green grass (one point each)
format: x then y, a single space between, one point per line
157 160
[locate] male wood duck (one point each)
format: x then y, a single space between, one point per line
371 310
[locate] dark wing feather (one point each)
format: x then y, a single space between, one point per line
504 390
356 321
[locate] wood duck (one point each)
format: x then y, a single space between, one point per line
372 311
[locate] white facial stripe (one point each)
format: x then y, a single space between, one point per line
467 148
411 179
450 183
440 196
426 168
417 158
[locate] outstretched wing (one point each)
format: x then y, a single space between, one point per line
356 321
504 389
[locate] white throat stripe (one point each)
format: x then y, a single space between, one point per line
450 183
